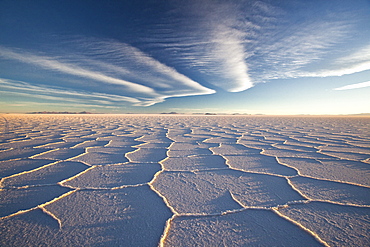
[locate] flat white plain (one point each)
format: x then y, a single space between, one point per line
184 180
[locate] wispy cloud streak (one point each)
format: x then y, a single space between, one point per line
61 94
354 62
317 47
210 39
354 86
234 45
188 48
290 55
228 56
154 81
128 61
50 63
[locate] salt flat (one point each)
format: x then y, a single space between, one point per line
178 180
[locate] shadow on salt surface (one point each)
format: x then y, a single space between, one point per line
258 163
76 139
104 156
8 168
14 200
147 155
275 139
246 228
295 147
194 163
34 228
300 144
51 174
347 155
293 153
258 145
2 149
181 146
110 150
120 141
11 137
94 143
358 143
195 193
28 143
335 170
189 139
221 140
184 149
225 149
189 152
20 153
332 191
110 176
153 145
347 148
60 154
60 144
122 217
155 139
335 224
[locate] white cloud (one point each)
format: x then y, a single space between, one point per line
228 56
68 96
354 86
228 44
293 46
287 53
167 80
50 63
235 47
355 62
43 92
345 70
63 105
362 55
210 40
114 62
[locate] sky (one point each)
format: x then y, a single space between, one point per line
194 56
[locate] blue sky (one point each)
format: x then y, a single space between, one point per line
269 57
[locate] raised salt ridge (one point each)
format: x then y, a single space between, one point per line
155 180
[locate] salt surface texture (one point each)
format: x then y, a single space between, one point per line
149 180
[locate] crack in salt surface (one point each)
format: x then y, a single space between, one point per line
41 206
208 134
52 216
318 238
